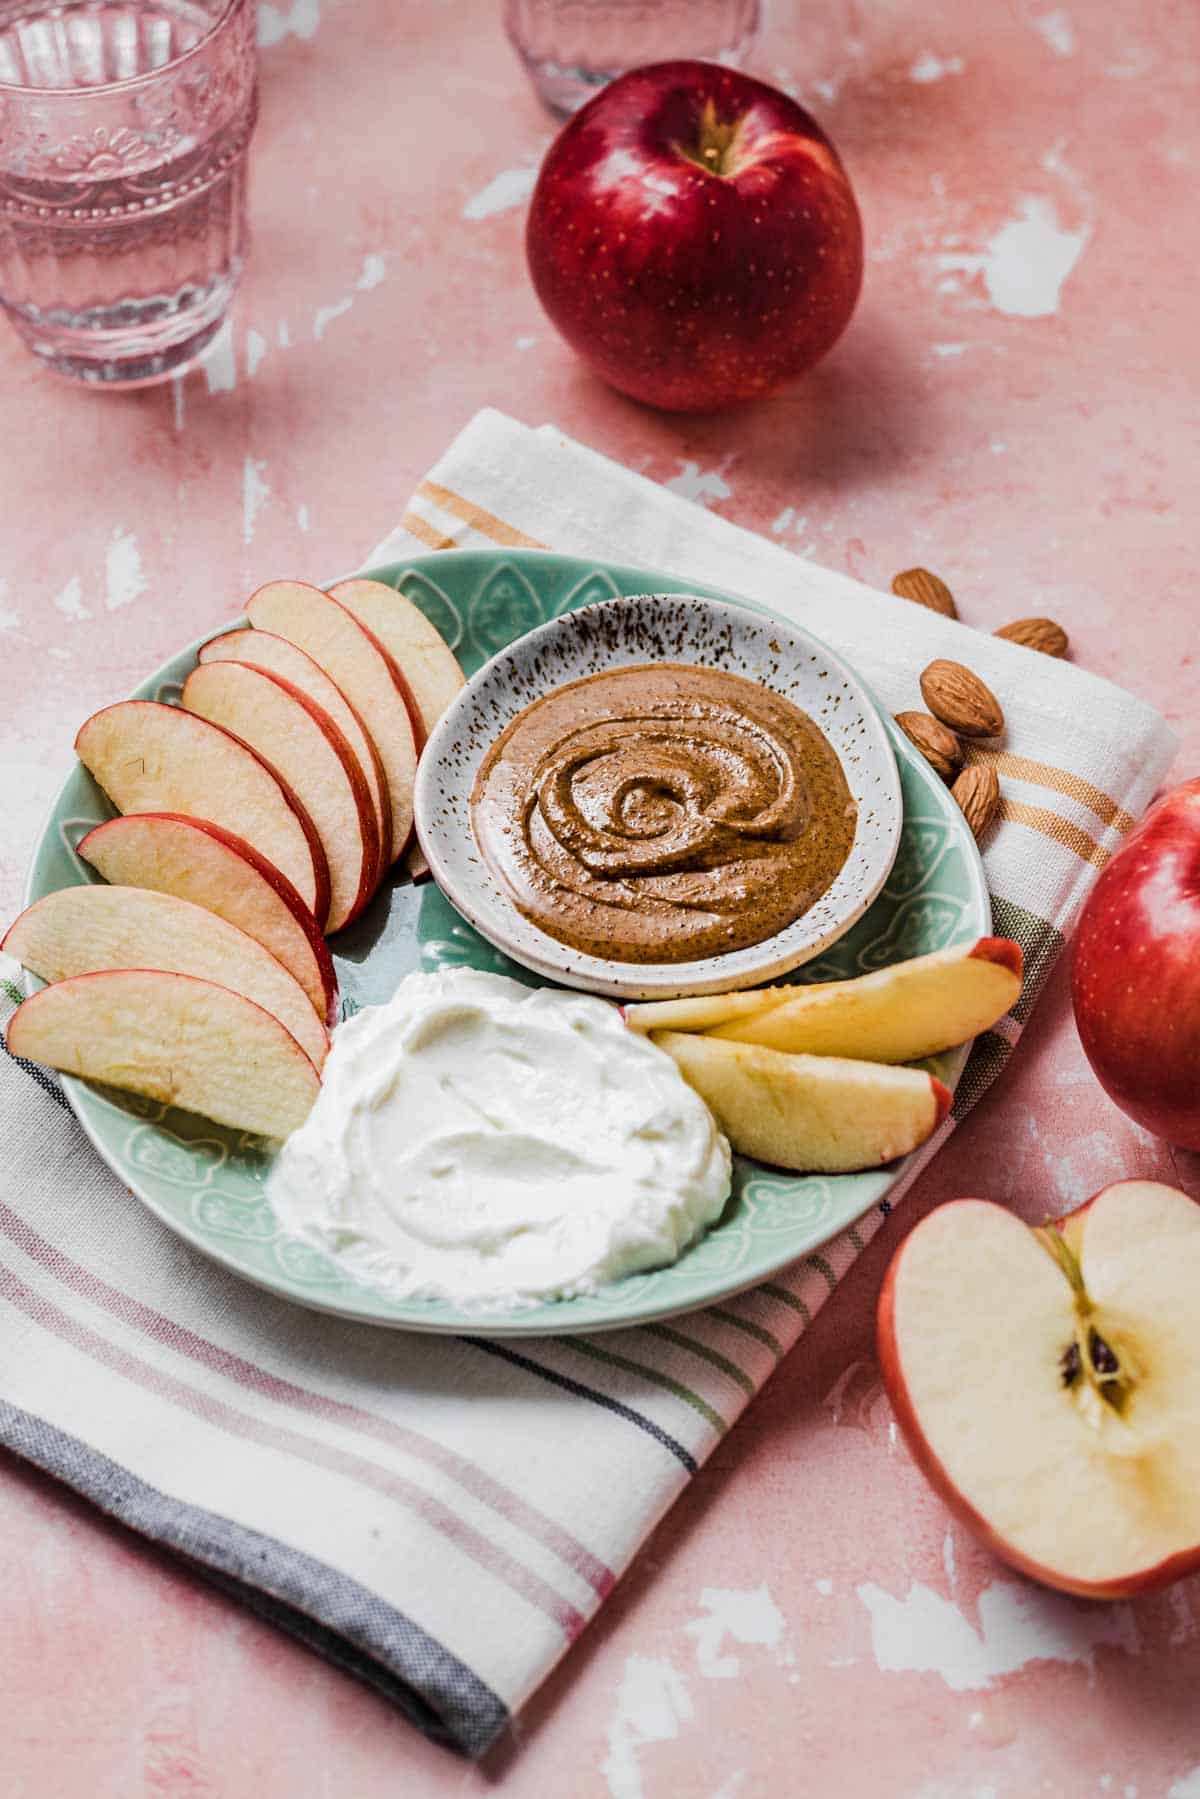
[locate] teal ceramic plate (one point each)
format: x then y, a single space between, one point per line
206 1183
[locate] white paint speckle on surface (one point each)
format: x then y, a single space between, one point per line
123 578
948 1560
928 68
652 1702
945 350
749 1616
300 19
283 336
255 494
1131 64
1188 1787
69 600
302 517
1026 264
782 520
220 364
526 343
1056 28
325 315
701 485
730 1785
374 270
256 348
926 1634
511 187
824 1587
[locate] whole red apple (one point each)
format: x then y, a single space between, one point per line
1136 972
694 236
1048 1382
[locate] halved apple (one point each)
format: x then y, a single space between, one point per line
82 930
897 1014
363 670
198 861
300 740
822 1114
185 1042
154 758
1048 1382
263 649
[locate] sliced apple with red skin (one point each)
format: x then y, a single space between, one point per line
1048 1382
82 930
263 649
198 861
172 1038
430 668
705 1011
898 1014
154 758
301 742
822 1114
366 674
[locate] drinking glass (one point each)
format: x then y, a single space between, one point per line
572 47
124 127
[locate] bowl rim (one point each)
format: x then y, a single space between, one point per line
747 967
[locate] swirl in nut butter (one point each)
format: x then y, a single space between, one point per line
662 813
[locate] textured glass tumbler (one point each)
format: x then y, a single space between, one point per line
124 129
572 47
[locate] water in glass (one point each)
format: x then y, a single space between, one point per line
123 136
572 47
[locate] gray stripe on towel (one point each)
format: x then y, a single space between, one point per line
343 1621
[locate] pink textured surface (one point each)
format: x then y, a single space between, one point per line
1032 440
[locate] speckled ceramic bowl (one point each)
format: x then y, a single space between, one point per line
664 627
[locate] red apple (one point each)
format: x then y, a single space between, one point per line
1136 971
1048 1382
694 237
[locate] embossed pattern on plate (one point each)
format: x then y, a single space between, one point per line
207 1183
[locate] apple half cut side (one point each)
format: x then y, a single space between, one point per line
429 666
83 930
198 861
366 674
301 742
149 757
173 1038
1048 1382
263 649
819 1114
898 1014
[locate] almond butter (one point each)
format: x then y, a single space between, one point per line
977 791
939 746
1037 634
961 700
925 589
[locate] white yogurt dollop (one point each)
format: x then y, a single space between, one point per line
483 1142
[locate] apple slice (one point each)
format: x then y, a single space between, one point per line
198 861
705 1010
1053 1399
363 670
426 661
818 1113
896 1014
186 1042
300 740
263 649
81 930
154 758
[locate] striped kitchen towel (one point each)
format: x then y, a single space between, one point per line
442 1517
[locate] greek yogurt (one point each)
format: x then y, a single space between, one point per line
488 1144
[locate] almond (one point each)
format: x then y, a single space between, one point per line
977 791
961 700
939 746
1037 634
918 585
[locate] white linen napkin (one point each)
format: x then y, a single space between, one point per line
443 1516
